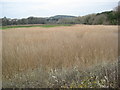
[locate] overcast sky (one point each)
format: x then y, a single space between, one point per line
46 8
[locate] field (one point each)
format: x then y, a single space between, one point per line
33 25
77 56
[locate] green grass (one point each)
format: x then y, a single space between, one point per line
28 26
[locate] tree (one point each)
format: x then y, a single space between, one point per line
5 21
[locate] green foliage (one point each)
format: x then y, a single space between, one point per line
113 17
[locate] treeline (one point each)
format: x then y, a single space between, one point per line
105 18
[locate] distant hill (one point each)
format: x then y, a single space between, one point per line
61 16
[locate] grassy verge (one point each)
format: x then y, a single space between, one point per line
28 26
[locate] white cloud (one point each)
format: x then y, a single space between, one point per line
59 0
24 8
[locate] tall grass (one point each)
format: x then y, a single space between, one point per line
59 49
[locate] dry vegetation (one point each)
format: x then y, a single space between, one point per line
71 56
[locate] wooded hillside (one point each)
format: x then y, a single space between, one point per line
105 18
